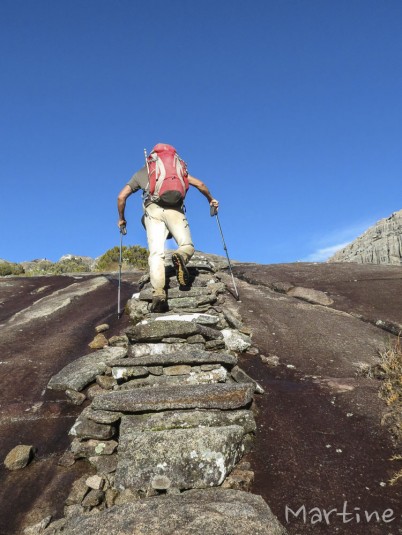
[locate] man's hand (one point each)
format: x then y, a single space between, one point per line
214 203
122 223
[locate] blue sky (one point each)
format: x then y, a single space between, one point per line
289 110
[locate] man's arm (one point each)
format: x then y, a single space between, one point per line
203 189
121 204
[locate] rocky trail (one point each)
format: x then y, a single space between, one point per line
175 434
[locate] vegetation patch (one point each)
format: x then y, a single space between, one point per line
389 372
132 257
10 268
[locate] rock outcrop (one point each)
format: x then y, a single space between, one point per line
380 244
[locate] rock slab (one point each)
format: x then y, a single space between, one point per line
180 355
196 512
213 396
82 371
185 458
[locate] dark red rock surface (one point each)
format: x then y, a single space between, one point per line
29 355
319 404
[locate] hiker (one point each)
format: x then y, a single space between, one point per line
164 181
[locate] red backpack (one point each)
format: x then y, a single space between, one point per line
167 175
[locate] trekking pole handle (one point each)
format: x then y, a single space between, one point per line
146 160
123 230
213 210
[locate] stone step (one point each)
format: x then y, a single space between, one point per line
160 348
175 375
192 302
159 421
195 512
202 319
213 396
157 330
161 356
146 295
178 458
83 370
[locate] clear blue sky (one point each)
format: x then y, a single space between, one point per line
289 110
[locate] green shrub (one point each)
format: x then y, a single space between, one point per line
136 256
133 256
41 267
69 265
10 268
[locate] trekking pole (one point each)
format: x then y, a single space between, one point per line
123 232
214 212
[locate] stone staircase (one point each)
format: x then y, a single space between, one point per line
169 421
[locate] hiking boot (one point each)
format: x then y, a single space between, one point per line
159 304
182 273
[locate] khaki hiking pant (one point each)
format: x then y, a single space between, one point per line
158 223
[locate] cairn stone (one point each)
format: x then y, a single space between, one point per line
76 398
99 341
18 457
213 345
241 376
95 482
93 498
136 309
231 319
126 372
239 480
92 448
118 341
102 328
101 417
85 428
38 528
78 491
106 382
236 341
104 464
179 369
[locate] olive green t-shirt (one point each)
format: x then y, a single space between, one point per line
139 180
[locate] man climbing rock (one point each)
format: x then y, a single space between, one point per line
164 181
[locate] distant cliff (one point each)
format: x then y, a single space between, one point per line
380 244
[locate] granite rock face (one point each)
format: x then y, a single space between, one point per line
380 244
